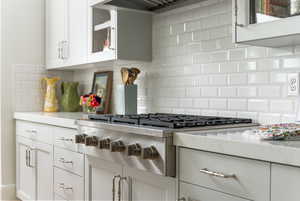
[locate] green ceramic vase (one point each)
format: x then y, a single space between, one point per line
70 98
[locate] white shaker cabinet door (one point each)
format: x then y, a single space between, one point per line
99 179
285 182
56 32
44 171
76 44
144 186
26 178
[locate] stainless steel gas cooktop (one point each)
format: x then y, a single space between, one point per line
144 141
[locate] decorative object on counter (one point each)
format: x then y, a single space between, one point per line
289 131
102 87
127 93
106 45
51 102
129 75
70 98
90 103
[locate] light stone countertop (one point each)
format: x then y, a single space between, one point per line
62 119
242 143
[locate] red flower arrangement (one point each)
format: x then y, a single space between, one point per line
90 102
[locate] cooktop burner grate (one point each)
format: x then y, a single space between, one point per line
173 121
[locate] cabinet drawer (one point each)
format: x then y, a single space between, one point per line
65 138
68 185
68 160
192 193
34 131
285 182
251 178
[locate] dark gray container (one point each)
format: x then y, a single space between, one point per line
126 99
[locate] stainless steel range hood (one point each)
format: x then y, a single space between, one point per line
152 5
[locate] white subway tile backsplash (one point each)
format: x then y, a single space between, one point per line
247 92
268 64
218 104
211 68
238 79
192 26
228 92
278 77
209 91
238 104
218 80
186 103
201 35
196 69
201 103
219 56
282 106
237 54
247 66
269 91
269 118
193 92
258 105
291 63
258 78
282 51
229 67
256 52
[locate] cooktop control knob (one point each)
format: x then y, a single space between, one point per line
91 141
117 146
150 153
80 139
134 150
104 144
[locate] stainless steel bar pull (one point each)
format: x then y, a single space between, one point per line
217 174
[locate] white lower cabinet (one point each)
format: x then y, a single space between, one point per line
189 192
99 179
130 184
285 182
144 186
34 160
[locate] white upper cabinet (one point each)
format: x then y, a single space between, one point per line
270 23
56 32
80 32
118 33
66 33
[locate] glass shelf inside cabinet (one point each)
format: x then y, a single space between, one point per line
102 30
262 11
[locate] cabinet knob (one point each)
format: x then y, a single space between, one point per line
104 144
117 146
91 141
134 150
80 139
150 153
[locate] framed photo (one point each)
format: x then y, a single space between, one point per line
102 86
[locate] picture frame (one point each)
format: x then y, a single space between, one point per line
102 87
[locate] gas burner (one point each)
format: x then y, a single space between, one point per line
173 121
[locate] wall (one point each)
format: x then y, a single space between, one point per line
22 67
197 70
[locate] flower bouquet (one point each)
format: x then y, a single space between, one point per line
90 103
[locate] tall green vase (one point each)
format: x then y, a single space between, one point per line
70 98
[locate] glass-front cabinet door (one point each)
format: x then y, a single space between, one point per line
102 32
272 23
